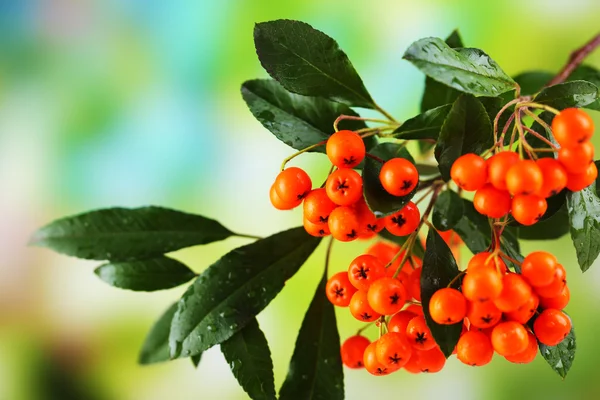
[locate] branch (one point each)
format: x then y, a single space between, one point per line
575 60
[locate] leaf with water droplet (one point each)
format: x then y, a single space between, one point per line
247 353
309 376
447 211
584 217
560 357
266 263
120 234
156 345
568 94
145 275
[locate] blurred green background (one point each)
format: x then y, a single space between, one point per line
135 102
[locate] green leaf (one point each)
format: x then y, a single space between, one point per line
156 346
589 74
424 126
128 233
447 211
315 370
553 227
467 129
247 353
145 275
439 269
560 357
418 249
195 359
584 216
532 82
298 121
568 94
307 61
436 93
232 291
467 70
378 199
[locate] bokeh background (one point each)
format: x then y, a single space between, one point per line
135 102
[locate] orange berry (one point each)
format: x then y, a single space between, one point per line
509 338
515 292
317 206
360 309
345 149
353 351
483 284
554 177
430 361
469 172
551 326
557 302
572 127
419 334
539 268
556 287
498 165
344 187
484 259
447 306
527 355
415 309
526 311
344 224
399 321
317 230
577 182
474 348
483 314
280 204
385 252
527 209
369 223
364 270
576 160
405 221
393 350
387 295
399 176
525 177
339 290
372 365
414 283
292 184
492 202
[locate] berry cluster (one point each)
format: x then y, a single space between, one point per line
338 208
507 183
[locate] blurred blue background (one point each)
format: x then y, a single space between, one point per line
128 103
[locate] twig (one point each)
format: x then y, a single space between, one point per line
575 60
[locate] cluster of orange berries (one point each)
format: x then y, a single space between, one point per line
506 183
339 207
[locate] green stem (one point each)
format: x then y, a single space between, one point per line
497 118
246 236
456 278
540 106
328 254
385 113
355 118
374 157
361 330
313 146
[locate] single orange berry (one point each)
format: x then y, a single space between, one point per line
498 166
492 202
385 252
344 187
344 224
572 127
339 290
360 309
483 314
405 221
393 350
576 160
353 351
280 204
474 348
399 176
557 302
345 149
483 284
317 206
554 177
364 270
525 177
387 295
419 334
539 268
556 287
577 182
447 306
527 355
551 326
486 259
526 311
372 365
292 184
399 321
429 361
469 172
515 292
318 230
509 338
527 209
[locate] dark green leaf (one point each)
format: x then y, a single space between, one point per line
307 61
427 170
232 291
424 126
467 129
436 93
560 357
439 269
553 227
128 233
532 82
196 360
315 371
378 199
418 249
467 70
589 74
509 243
447 211
247 353
568 94
584 215
156 346
298 121
145 275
